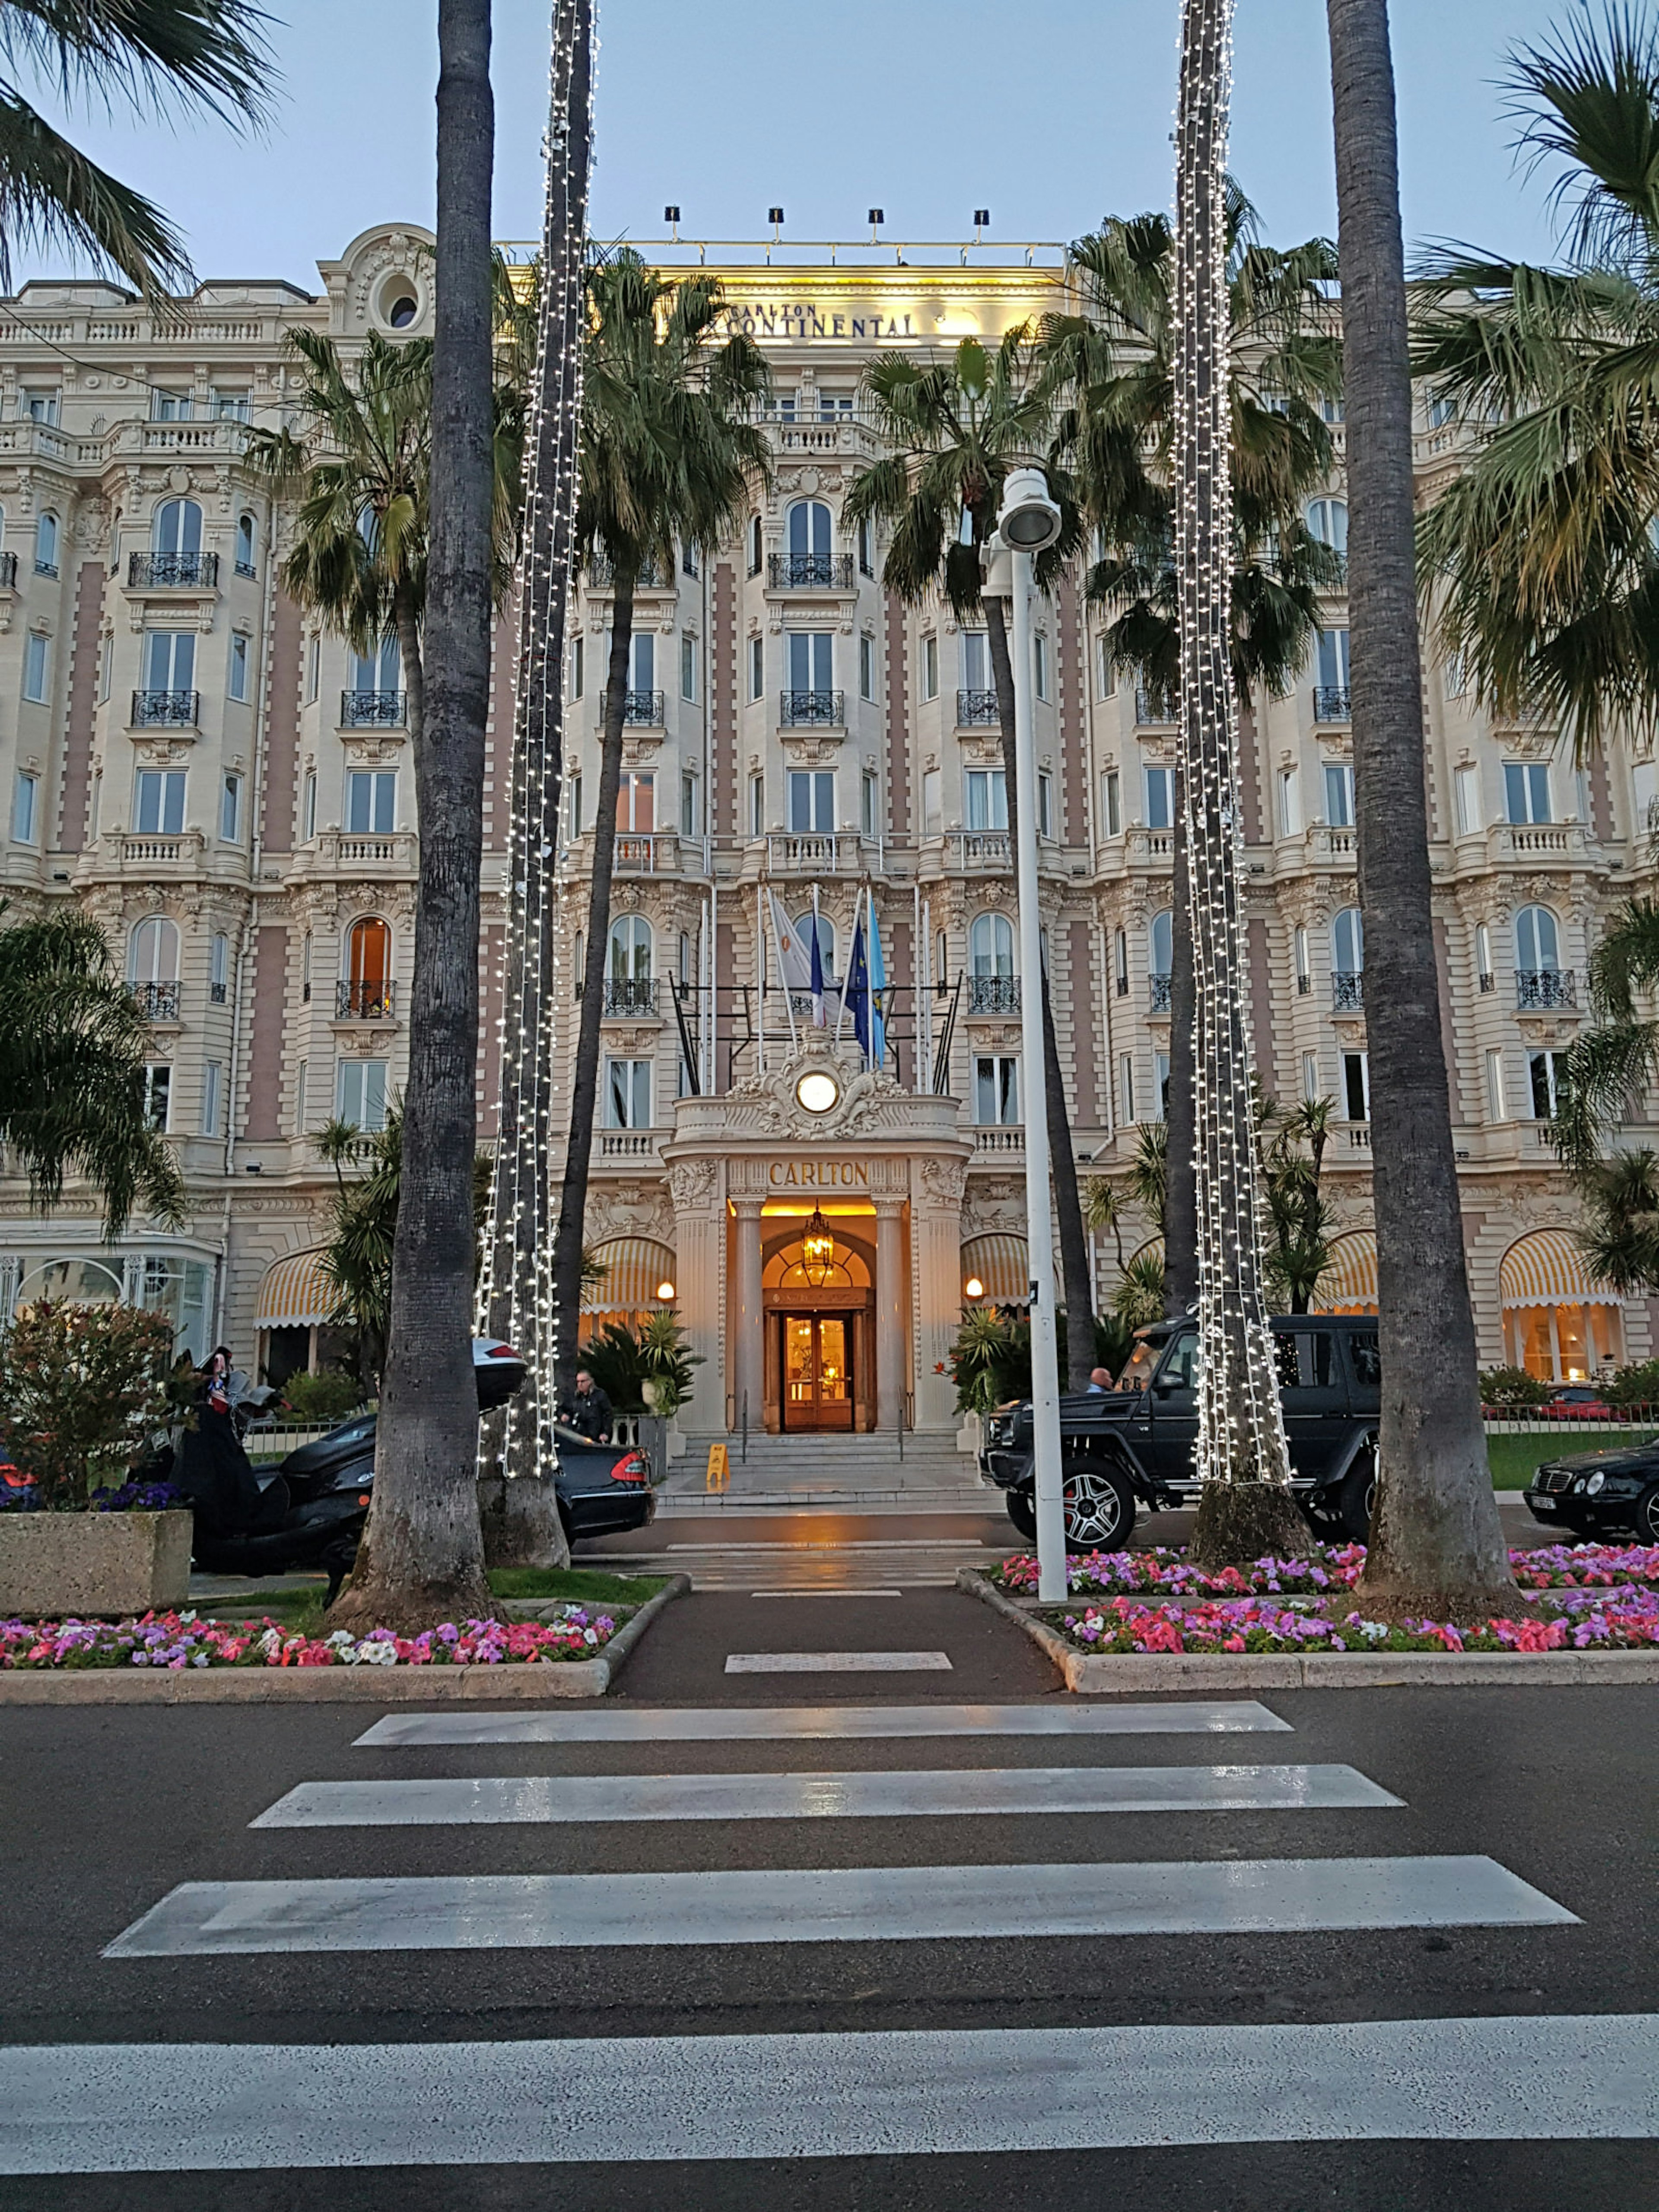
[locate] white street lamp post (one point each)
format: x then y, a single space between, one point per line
1029 520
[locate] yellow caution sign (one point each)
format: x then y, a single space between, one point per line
719 1476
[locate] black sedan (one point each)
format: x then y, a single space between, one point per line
602 1487
1597 1493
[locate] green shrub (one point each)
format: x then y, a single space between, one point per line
85 1389
1511 1386
622 1361
327 1396
1637 1385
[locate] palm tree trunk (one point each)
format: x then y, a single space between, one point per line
422 1559
1180 1167
1246 1508
1436 1538
1068 1201
585 1076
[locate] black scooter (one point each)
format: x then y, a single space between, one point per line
308 1514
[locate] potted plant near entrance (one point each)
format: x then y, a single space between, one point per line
83 1391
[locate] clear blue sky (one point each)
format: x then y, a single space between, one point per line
727 108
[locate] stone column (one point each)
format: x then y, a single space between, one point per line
700 1270
892 1302
746 1316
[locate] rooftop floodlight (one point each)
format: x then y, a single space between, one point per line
1030 519
878 216
982 222
774 216
671 216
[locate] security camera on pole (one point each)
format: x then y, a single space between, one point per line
1030 521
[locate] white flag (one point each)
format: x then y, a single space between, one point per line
794 955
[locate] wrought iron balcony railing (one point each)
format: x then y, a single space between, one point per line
602 577
218 993
157 1002
630 994
1158 994
1332 703
993 994
362 1001
8 572
1488 982
372 710
246 568
1546 987
976 710
159 572
1153 705
1347 988
642 710
811 709
811 572
166 710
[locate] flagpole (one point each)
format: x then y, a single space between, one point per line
783 974
926 1002
840 1006
760 982
869 979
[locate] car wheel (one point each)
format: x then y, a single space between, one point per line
1647 1516
1022 1513
1355 1499
1100 1506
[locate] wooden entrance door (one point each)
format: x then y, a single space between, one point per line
816 1372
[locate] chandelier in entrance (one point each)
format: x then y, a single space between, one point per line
817 1250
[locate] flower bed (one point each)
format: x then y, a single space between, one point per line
130 1498
1581 1621
1167 1574
181 1640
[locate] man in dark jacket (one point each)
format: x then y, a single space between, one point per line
589 1414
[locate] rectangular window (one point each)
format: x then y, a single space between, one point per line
691 812
866 552
1045 805
25 792
308 807
809 660
169 660
1161 1077
930 668
628 1094
313 668
1466 796
975 660
866 668
158 1095
1457 681
688 557
812 801
1105 670
1357 1085
371 801
301 1084
161 802
688 668
1527 790
229 406
169 407
360 1093
1498 1104
1338 795
757 666
219 967
230 809
1547 1071
757 805
1111 803
867 806
1040 664
1303 972
1121 961
996 1090
36 664
211 1075
1125 1089
636 802
577 673
642 653
105 668
1333 660
1290 804
238 684
932 803
1160 798
574 801
988 798
38 407
1309 1077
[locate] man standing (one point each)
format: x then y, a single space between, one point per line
589 1414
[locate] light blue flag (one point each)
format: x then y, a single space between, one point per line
878 995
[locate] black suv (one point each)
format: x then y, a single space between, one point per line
1592 1493
1135 1443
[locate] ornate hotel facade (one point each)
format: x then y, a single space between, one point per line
188 756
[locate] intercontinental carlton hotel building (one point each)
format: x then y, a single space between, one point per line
189 757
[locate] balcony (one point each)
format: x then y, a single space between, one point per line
642 854
642 710
630 994
1347 989
362 1001
1000 1140
1332 703
218 993
1536 988
374 710
166 710
993 994
1158 994
8 572
1360 1136
981 849
627 1145
1488 983
811 572
830 850
977 710
811 710
156 1002
1154 706
601 577
173 572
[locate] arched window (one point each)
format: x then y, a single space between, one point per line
826 934
46 545
630 949
1161 957
1348 942
177 527
1537 941
366 988
153 951
246 533
754 545
1327 520
809 559
991 945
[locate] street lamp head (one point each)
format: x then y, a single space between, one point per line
1031 518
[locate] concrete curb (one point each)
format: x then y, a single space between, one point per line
373 1686
1092 1674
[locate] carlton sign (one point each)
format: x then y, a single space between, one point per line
819 1174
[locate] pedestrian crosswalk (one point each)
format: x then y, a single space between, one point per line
155 2107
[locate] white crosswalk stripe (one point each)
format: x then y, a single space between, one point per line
742 1724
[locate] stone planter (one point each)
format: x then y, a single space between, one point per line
90 1565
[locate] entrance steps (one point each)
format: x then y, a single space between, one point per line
853 1473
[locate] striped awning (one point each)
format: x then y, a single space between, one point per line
634 1268
1546 1268
1348 1282
1002 1264
296 1294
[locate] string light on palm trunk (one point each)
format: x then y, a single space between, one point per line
515 1290
1240 1424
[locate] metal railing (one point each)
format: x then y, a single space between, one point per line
630 994
152 572
642 710
1154 706
8 572
246 568
993 994
977 710
811 572
218 993
1546 987
1347 987
372 710
1488 981
362 1001
1332 703
601 577
799 710
157 1002
164 710
1158 994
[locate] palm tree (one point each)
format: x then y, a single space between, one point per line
1114 364
668 452
1435 1540
1301 1249
205 55
953 429
73 1097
